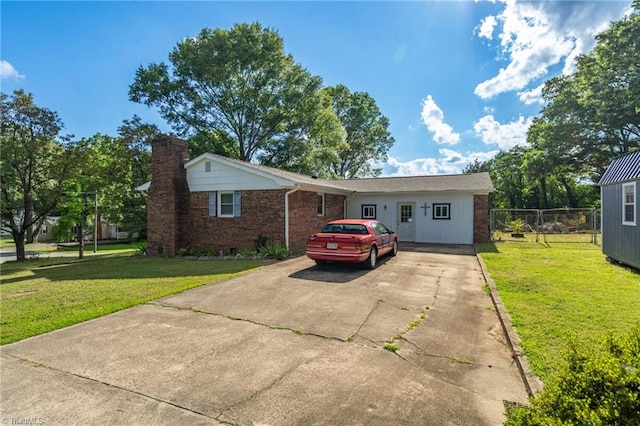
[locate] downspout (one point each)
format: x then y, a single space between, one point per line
286 214
344 207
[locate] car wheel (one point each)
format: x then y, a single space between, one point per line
320 262
372 260
394 250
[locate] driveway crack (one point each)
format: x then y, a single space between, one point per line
357 332
232 318
113 386
262 390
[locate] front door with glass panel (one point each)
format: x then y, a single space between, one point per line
406 225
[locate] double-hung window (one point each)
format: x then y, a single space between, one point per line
225 203
368 211
442 210
629 211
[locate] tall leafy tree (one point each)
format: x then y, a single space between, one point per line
593 115
238 81
366 134
314 146
136 137
32 165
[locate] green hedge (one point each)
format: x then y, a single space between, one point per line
594 387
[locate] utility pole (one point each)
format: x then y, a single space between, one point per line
95 223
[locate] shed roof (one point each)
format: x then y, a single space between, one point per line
622 169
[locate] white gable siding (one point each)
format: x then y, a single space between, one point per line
223 177
457 230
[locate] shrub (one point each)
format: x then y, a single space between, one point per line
598 386
277 251
261 241
245 252
141 250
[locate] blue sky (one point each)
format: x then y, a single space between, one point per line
458 80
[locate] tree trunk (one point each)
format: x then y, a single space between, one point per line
80 241
18 239
35 231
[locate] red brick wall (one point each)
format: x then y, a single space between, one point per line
481 219
168 197
262 213
304 219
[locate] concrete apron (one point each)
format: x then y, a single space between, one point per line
290 343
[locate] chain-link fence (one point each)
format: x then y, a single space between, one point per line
551 225
514 224
570 225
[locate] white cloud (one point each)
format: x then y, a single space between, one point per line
505 136
532 96
537 35
486 27
449 162
8 71
433 118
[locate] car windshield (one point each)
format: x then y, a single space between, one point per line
344 228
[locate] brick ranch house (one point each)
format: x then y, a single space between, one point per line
221 204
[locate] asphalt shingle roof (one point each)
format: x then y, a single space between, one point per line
476 182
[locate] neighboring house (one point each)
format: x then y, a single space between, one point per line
46 230
620 204
222 204
109 231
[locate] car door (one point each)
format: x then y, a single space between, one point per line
382 236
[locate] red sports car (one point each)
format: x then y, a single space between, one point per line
352 240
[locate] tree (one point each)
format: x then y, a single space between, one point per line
593 115
477 166
238 83
136 137
366 136
214 142
32 166
315 146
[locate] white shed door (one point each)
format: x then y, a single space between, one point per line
406 224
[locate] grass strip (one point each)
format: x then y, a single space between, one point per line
561 292
44 295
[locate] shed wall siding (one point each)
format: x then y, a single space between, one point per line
619 242
225 178
457 230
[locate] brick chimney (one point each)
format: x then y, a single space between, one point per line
168 202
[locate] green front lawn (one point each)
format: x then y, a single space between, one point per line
558 292
44 295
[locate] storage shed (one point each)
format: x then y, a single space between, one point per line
620 199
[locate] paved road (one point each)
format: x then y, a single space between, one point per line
8 254
288 344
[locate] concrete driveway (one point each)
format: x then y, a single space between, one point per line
288 344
